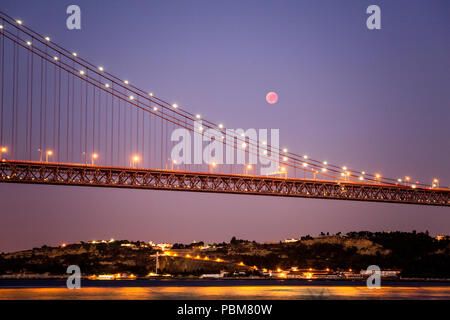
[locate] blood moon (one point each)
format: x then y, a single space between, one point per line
271 97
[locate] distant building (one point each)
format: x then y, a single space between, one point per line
383 273
442 237
213 275
163 246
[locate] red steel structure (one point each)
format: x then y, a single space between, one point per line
66 121
116 177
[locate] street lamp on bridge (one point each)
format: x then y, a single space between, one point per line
173 163
135 159
2 151
47 154
94 156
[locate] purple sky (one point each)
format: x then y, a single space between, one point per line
372 100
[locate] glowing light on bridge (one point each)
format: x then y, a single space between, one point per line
198 116
107 85
94 157
175 105
47 38
19 22
100 68
74 54
49 153
125 81
134 160
29 43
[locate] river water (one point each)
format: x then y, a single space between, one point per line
219 289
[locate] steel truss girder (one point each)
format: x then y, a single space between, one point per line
100 176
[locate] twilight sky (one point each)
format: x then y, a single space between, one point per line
375 100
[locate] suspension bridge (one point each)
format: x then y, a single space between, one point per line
67 121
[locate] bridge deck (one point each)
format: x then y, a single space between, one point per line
119 177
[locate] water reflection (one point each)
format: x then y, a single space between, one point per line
235 292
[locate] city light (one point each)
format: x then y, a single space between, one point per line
47 38
107 85
305 157
55 58
74 54
100 68
325 162
220 126
150 94
81 72
126 82
198 116
285 150
29 43
155 109
19 21
131 98
175 105
1 27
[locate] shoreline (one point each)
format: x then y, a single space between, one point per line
61 283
